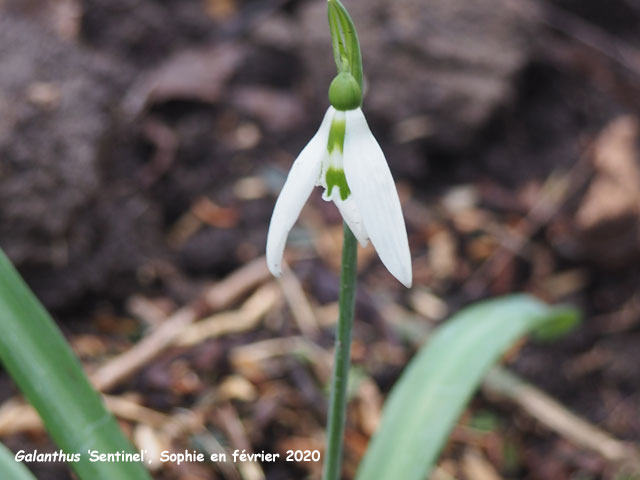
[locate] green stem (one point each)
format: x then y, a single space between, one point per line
342 359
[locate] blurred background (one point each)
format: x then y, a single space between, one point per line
143 144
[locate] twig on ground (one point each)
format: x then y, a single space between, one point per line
231 424
245 357
146 310
129 362
241 320
215 298
145 437
503 384
298 303
210 444
128 409
476 466
16 416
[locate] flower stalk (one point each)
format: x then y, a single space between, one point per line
342 359
344 158
345 93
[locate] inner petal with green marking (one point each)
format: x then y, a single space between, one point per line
332 172
335 178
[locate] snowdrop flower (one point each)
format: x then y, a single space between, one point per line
344 158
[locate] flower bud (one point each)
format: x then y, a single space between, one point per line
344 92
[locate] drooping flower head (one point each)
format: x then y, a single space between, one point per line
345 159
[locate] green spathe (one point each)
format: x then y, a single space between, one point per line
344 40
345 93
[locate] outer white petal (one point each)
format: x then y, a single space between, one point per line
376 197
351 215
300 182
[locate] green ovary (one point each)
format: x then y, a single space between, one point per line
335 178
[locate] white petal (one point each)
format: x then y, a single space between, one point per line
376 197
350 214
302 178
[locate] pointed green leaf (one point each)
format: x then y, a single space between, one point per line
10 468
36 355
427 400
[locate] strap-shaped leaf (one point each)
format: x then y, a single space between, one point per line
427 400
36 355
10 468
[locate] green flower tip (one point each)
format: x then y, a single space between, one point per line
345 93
